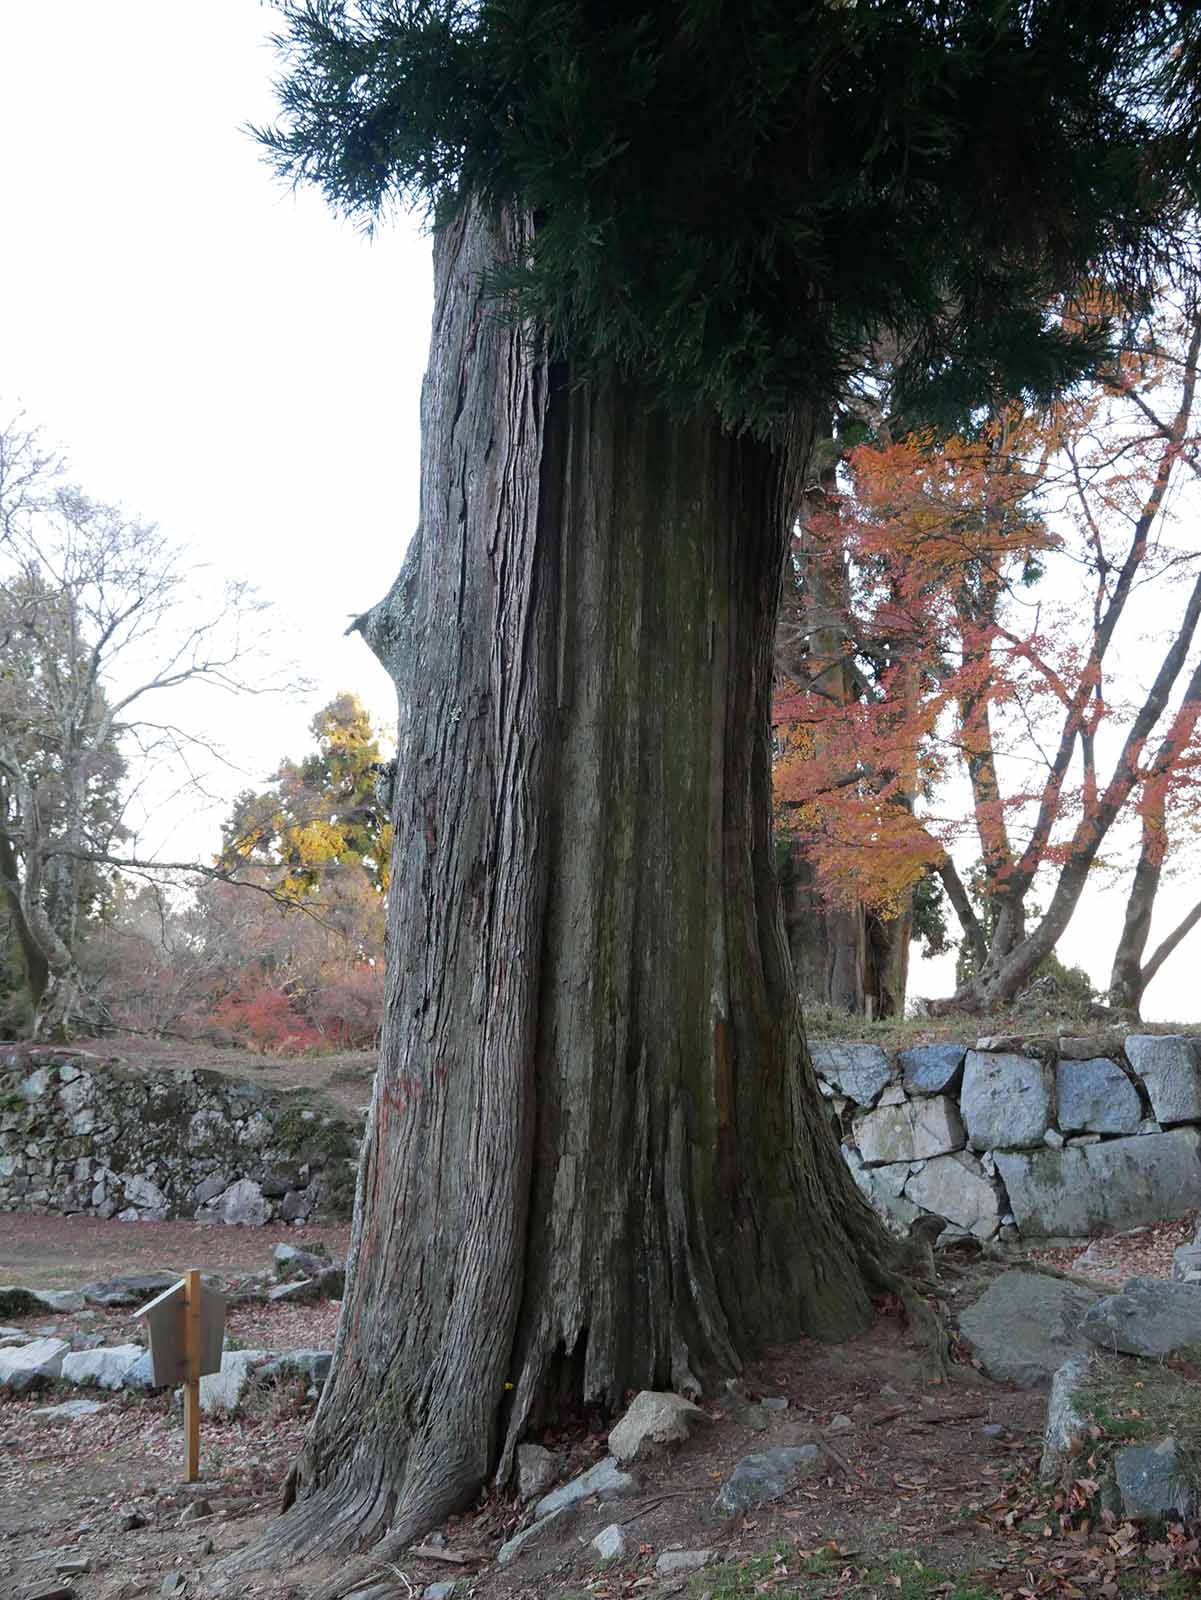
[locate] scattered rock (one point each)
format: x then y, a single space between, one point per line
173 1584
131 1519
1007 1101
1064 1431
58 1591
932 1068
1170 1066
72 1566
1025 1325
654 1420
439 1591
69 1410
839 1423
102 1368
1147 1317
195 1511
1088 1189
860 1071
912 1131
774 1402
514 1546
537 1469
762 1477
291 1262
674 1561
1096 1096
610 1542
1152 1483
30 1366
993 1430
605 1480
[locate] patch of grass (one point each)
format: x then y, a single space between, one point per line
904 1574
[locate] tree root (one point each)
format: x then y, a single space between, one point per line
927 1321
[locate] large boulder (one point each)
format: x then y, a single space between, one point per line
242 1205
859 1071
1096 1096
31 1366
1025 1326
103 1368
1008 1101
1170 1066
957 1188
1087 1189
764 1476
932 1068
1147 1317
655 1420
911 1131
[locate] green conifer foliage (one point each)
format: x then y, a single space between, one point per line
737 201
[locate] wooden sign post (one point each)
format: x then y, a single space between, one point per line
192 1293
186 1324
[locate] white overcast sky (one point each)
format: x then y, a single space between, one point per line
225 358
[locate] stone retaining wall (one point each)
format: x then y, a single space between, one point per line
1048 1136
79 1134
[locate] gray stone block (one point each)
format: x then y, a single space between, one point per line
604 1480
102 1368
1065 1429
932 1068
1008 1101
1186 1263
1147 1317
912 1131
763 1477
881 1188
1025 1326
1087 1189
859 1071
30 1366
1153 1484
1096 1096
1170 1066
956 1187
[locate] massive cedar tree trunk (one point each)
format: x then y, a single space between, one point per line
596 1159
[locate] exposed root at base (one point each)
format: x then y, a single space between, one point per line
927 1320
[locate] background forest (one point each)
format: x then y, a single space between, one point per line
989 690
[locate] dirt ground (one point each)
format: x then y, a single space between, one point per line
914 1497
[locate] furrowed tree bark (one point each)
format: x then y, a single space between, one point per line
596 1160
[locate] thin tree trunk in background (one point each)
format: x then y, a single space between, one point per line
597 1160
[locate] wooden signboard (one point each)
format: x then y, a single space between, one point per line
186 1327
